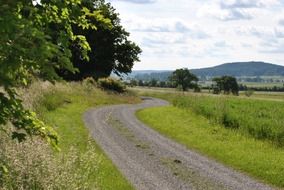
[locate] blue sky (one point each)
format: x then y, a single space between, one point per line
202 33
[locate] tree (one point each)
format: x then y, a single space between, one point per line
140 83
184 78
112 51
153 83
28 48
133 82
227 84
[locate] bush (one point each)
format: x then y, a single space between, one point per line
197 88
249 92
89 84
229 121
112 84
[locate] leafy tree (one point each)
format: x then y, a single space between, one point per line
162 84
228 84
133 82
140 83
153 83
29 47
112 51
184 78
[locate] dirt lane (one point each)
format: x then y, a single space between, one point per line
152 162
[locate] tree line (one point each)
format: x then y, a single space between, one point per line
183 80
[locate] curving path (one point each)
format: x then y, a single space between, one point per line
152 162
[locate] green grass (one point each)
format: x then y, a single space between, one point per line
261 95
258 158
261 119
63 108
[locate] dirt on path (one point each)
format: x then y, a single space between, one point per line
151 161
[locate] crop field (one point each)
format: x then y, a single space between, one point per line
245 133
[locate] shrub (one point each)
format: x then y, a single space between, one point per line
89 83
112 84
197 88
229 121
249 92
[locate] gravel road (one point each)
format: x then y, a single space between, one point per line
152 162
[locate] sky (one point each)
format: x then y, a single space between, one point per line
203 33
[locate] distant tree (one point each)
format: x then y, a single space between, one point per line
227 84
153 83
183 78
140 83
162 84
197 88
133 82
111 49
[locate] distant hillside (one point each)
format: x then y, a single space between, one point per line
241 69
151 74
237 69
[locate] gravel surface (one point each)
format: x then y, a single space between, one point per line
151 161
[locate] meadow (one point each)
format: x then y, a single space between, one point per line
244 133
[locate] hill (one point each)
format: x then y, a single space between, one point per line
237 69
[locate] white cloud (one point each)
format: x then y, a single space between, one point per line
215 11
194 33
281 22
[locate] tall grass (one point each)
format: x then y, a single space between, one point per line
80 164
33 165
261 119
258 118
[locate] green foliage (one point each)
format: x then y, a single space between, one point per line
112 84
184 78
25 122
112 51
197 88
227 84
29 46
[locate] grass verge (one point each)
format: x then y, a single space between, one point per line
259 159
63 108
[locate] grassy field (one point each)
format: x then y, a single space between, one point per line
63 108
275 96
259 84
247 134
